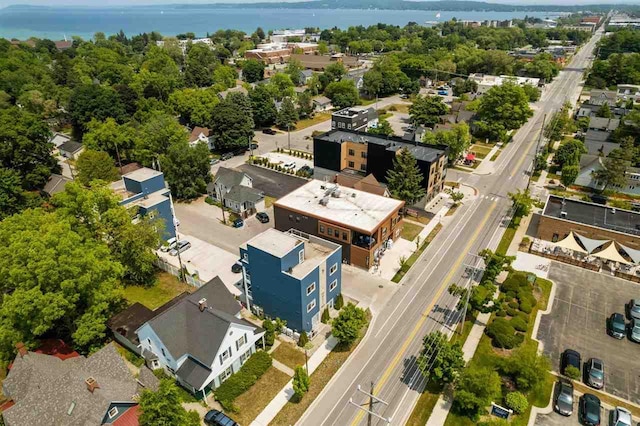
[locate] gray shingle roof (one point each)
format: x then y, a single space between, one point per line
193 373
609 124
44 388
242 194
184 329
229 177
55 184
70 146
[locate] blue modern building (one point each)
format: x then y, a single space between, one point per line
146 190
292 275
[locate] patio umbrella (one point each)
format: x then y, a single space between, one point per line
569 242
632 253
611 253
591 244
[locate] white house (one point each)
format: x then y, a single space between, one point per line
201 134
235 190
486 82
200 340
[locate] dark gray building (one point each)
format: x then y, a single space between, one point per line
354 118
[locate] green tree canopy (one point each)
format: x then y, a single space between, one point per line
156 136
440 360
346 327
383 128
458 139
252 71
426 110
342 93
164 407
503 108
522 202
187 169
263 107
94 102
405 180
476 388
301 382
527 367
288 115
569 152
230 126
194 105
92 165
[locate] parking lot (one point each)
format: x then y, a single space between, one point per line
582 303
282 159
273 184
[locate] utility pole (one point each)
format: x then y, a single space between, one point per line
535 157
250 148
175 228
369 417
289 136
372 400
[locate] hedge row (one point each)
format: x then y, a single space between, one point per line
241 381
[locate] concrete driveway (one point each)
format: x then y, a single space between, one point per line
399 122
204 222
582 303
272 183
282 159
369 290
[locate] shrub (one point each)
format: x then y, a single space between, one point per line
524 317
210 201
517 402
526 307
503 334
513 304
393 108
339 302
301 382
514 282
239 382
270 332
519 324
510 295
325 316
512 312
303 339
501 313
572 372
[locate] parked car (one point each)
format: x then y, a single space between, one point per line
571 358
213 161
616 326
290 165
181 246
595 373
169 245
633 307
590 410
443 92
226 156
217 418
564 399
634 330
238 223
236 268
262 217
621 417
306 169
269 131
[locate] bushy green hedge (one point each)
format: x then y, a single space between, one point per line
239 382
517 402
514 282
519 324
503 334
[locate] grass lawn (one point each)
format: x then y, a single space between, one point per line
425 405
399 108
366 102
412 259
452 210
481 151
287 354
166 288
410 230
292 411
509 233
268 201
253 401
318 118
494 157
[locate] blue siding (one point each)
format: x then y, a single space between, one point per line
314 276
153 184
123 407
335 258
146 332
163 212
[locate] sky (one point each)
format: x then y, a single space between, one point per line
102 3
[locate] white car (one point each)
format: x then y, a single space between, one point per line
169 245
621 417
181 246
290 165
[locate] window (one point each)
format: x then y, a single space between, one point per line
363 154
329 231
245 356
311 288
291 217
363 167
113 412
247 276
555 238
311 305
241 341
297 218
322 229
344 235
336 233
384 231
149 343
333 124
225 355
225 374
352 152
155 364
245 257
333 285
351 164
301 256
333 269
348 125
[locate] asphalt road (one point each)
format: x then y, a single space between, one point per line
387 355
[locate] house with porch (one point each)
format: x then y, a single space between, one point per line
234 189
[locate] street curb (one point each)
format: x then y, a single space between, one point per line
540 410
536 324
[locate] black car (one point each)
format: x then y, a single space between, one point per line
226 156
564 398
262 217
616 326
216 418
590 410
269 131
236 268
571 358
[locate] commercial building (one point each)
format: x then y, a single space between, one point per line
356 118
339 150
364 224
279 53
320 62
292 275
285 36
146 191
486 82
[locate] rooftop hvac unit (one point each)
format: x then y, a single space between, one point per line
336 193
324 201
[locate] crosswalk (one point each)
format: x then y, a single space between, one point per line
490 197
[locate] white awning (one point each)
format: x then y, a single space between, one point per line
611 253
632 253
569 242
589 243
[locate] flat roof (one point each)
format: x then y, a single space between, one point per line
597 215
142 174
352 208
419 150
274 242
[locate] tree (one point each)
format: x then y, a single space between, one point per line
293 70
569 152
405 179
440 360
288 115
199 65
111 137
382 128
303 339
605 111
260 33
456 196
532 92
462 86
301 382
527 367
156 136
569 174
503 108
92 165
612 173
12 198
339 302
225 76
475 389
326 317
187 169
270 334
281 86
94 102
305 104
263 107
230 126
458 139
26 148
517 401
194 105
522 202
252 71
426 110
347 325
342 93
164 407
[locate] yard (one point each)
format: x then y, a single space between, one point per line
287 354
253 401
318 118
166 288
416 254
480 150
410 230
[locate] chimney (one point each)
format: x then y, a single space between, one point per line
92 384
202 304
22 349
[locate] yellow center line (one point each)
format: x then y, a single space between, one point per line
425 314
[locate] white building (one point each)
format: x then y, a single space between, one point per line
486 82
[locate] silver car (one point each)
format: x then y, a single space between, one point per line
634 308
181 246
634 330
169 245
595 373
564 399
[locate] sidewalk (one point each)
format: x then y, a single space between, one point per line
286 393
486 167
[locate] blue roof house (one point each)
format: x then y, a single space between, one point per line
146 190
292 276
